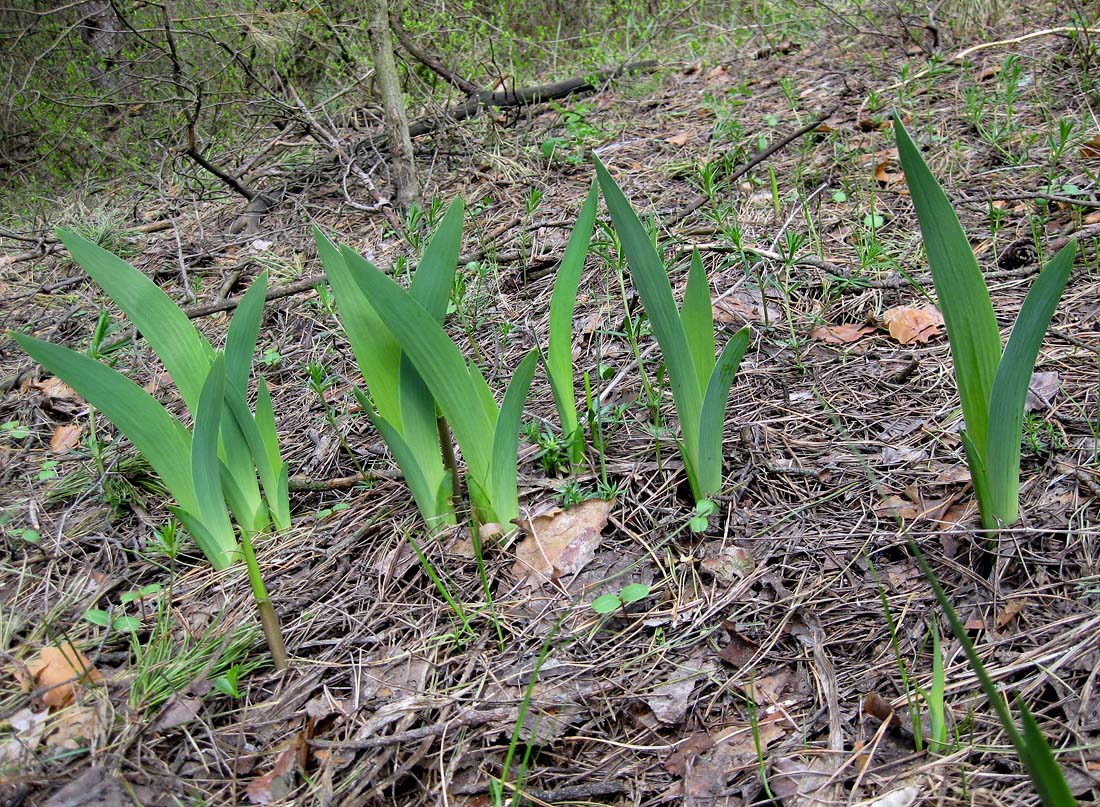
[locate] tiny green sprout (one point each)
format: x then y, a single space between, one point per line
703 511
873 221
48 471
228 683
840 196
633 592
15 430
30 536
97 616
271 357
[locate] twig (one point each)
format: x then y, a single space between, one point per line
429 60
756 159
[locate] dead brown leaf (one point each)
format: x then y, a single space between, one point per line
55 389
560 542
276 784
27 727
59 671
894 506
1011 610
840 334
887 170
73 728
908 325
679 139
1041 390
1090 149
65 437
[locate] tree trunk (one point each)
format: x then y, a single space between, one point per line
402 165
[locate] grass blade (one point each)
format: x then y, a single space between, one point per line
697 317
960 288
653 286
184 351
1042 767
1009 394
155 432
713 416
1031 746
563 302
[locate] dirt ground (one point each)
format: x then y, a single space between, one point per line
776 655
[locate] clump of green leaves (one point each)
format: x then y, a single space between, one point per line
397 401
992 383
219 460
411 365
700 385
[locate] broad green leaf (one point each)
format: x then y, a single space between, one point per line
185 352
375 348
506 441
424 491
275 488
713 417
237 455
651 280
440 365
156 433
244 329
936 708
697 317
960 288
434 278
205 470
1009 394
563 301
979 478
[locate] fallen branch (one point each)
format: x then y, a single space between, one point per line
473 106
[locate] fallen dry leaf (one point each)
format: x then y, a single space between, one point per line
277 783
1090 149
908 325
896 507
65 437
1011 610
55 389
840 334
28 727
1041 390
887 170
560 542
73 728
59 670
679 139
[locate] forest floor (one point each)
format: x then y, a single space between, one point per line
765 662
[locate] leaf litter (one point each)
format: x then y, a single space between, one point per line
418 710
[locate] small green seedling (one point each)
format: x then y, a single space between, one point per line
14 430
607 603
228 683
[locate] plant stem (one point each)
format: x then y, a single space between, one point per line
447 450
269 619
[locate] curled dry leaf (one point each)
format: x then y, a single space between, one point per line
560 542
55 389
276 784
908 325
887 169
679 139
840 334
59 671
65 437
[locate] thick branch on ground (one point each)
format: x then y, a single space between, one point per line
470 108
